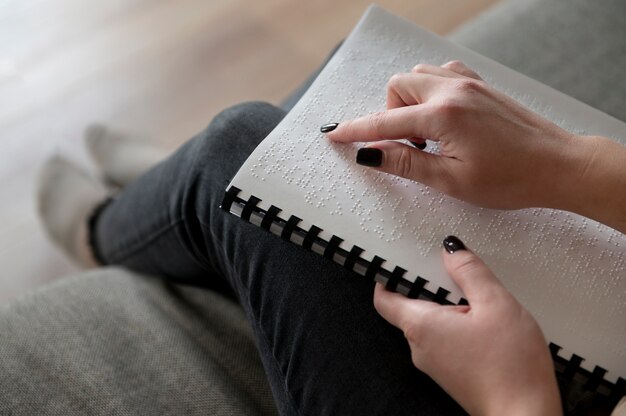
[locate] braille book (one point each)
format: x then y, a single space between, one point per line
567 270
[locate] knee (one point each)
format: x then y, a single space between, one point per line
251 112
235 132
218 151
244 123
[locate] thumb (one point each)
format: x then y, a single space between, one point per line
406 161
475 279
401 311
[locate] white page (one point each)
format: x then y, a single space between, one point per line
569 271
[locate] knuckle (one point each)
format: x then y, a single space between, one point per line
467 85
455 64
468 264
395 81
460 68
449 107
404 163
420 68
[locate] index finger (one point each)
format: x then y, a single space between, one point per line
393 124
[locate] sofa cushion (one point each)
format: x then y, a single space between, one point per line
113 342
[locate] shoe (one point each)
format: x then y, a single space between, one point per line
121 159
66 197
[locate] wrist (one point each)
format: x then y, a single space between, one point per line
576 174
566 156
592 181
542 402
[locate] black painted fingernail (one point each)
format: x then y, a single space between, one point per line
453 244
368 156
420 146
328 127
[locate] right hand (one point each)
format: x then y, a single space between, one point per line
494 152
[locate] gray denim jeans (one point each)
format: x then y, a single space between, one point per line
324 348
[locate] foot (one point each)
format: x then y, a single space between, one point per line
66 197
120 158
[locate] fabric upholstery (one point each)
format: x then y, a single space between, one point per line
575 46
113 342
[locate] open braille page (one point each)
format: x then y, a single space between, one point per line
569 271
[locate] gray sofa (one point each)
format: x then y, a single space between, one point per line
113 342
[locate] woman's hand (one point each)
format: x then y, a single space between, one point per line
490 356
495 153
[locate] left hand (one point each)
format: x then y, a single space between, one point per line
490 356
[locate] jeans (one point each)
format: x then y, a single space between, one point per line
323 346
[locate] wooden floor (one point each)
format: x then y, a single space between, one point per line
157 69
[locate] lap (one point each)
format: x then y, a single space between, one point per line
323 346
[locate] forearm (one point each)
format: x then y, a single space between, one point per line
597 187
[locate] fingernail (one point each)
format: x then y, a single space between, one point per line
369 156
420 146
328 127
453 244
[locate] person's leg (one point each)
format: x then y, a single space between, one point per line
323 346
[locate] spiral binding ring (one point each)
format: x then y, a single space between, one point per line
249 207
374 267
229 197
270 217
568 368
332 247
572 367
291 225
311 235
417 288
394 279
441 295
619 390
593 381
353 256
